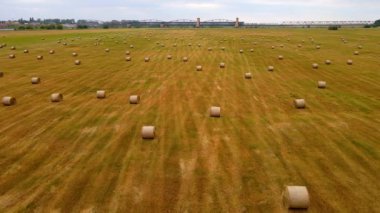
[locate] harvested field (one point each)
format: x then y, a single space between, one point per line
83 154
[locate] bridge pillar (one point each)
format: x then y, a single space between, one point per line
237 23
198 24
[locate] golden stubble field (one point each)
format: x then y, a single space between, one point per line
86 154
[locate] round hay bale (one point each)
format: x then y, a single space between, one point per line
134 99
40 57
356 53
199 45
251 50
299 103
248 75
77 62
13 48
241 51
74 54
270 68
36 80
209 49
146 59
222 65
281 45
127 52
328 62
148 132
215 111
299 45
223 48
189 45
51 52
12 56
315 66
56 97
185 59
65 44
349 62
322 84
174 45
101 94
296 197
26 51
107 50
198 68
318 47
1 74
273 47
360 47
131 46
280 57
128 58
9 101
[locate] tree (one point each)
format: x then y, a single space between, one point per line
377 23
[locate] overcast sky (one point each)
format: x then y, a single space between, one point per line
166 10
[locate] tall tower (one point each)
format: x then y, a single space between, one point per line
198 24
237 23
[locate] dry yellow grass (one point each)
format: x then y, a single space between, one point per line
86 154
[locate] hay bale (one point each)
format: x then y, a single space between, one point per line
349 62
270 68
185 59
127 52
74 54
12 56
321 84
189 45
101 94
36 80
248 75
251 50
299 103
128 58
199 45
360 47
281 45
51 52
134 99
169 57
328 62
296 197
148 132
107 50
40 57
299 45
26 51
215 111
77 62
273 47
56 97
13 48
241 51
280 57
1 74
223 48
198 68
174 45
9 101
209 49
315 66
131 46
222 65
356 53
146 59
318 47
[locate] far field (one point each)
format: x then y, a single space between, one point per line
86 154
